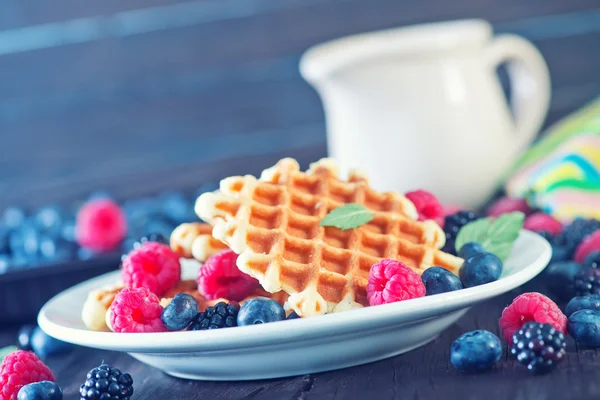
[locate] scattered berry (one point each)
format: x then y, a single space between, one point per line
136 310
44 390
391 281
592 260
584 326
529 307
452 225
439 280
427 205
219 277
560 279
101 225
587 246
480 269
293 315
105 382
221 315
470 249
24 337
591 302
260 310
45 345
539 346
153 266
180 312
506 205
475 351
542 222
21 368
587 281
574 233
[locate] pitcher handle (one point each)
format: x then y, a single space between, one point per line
529 79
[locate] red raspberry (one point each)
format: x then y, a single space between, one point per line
391 281
428 206
506 205
101 225
540 221
152 265
589 244
21 368
219 277
136 310
531 307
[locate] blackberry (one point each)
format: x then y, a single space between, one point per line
574 233
539 346
105 382
587 281
221 315
452 225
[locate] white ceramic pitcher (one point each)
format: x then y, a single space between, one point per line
422 106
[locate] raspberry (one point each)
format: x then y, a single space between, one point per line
391 281
219 277
506 205
136 310
21 368
531 307
428 206
101 225
542 222
152 265
589 244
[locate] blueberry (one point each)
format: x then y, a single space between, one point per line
439 280
25 241
260 310
24 337
12 217
67 232
56 249
559 254
49 219
584 326
180 312
470 249
44 390
177 208
159 226
591 302
560 279
475 351
481 269
86 254
592 260
44 345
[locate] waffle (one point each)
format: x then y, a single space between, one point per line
273 223
195 240
97 304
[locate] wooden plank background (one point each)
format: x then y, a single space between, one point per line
138 96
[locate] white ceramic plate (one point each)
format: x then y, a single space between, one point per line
294 347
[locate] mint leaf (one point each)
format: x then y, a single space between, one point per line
348 216
497 235
6 351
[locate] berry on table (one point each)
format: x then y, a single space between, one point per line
560 279
452 225
439 280
542 222
480 269
587 281
24 337
428 206
221 315
539 346
45 345
592 260
180 311
153 266
475 351
219 277
591 302
21 368
391 281
590 244
260 310
574 233
470 249
584 326
105 382
45 390
531 307
101 225
136 310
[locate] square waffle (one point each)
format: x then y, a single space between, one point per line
274 224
